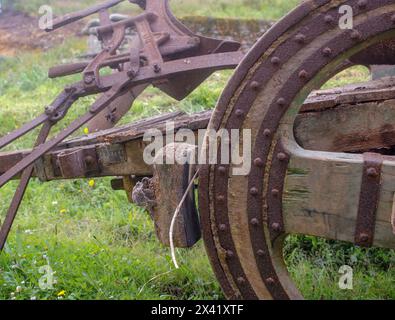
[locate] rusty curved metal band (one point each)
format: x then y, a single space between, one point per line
241 92
368 200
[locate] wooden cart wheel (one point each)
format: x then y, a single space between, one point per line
346 196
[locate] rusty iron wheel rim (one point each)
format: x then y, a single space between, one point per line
247 258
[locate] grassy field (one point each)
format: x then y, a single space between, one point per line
101 247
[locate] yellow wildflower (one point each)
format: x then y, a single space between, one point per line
91 183
63 211
61 293
86 130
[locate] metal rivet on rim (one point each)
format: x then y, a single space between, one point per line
281 102
303 74
276 227
362 3
328 19
255 85
222 169
327 52
254 191
300 38
372 172
239 112
241 280
282 156
275 192
258 162
230 254
356 35
254 221
275 60
222 227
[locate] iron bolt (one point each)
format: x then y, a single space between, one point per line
363 237
327 52
275 192
270 281
222 170
258 162
157 68
281 102
241 280
239 112
372 172
260 253
282 156
254 191
328 19
230 254
255 85
222 227
220 198
276 227
362 3
300 38
254 221
356 35
267 132
275 60
89 79
303 74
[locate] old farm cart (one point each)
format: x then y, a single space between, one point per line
322 161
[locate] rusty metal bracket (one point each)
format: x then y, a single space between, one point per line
369 198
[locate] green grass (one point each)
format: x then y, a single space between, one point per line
102 247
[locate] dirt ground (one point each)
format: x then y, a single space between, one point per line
19 32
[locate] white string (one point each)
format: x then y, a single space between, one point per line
173 221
